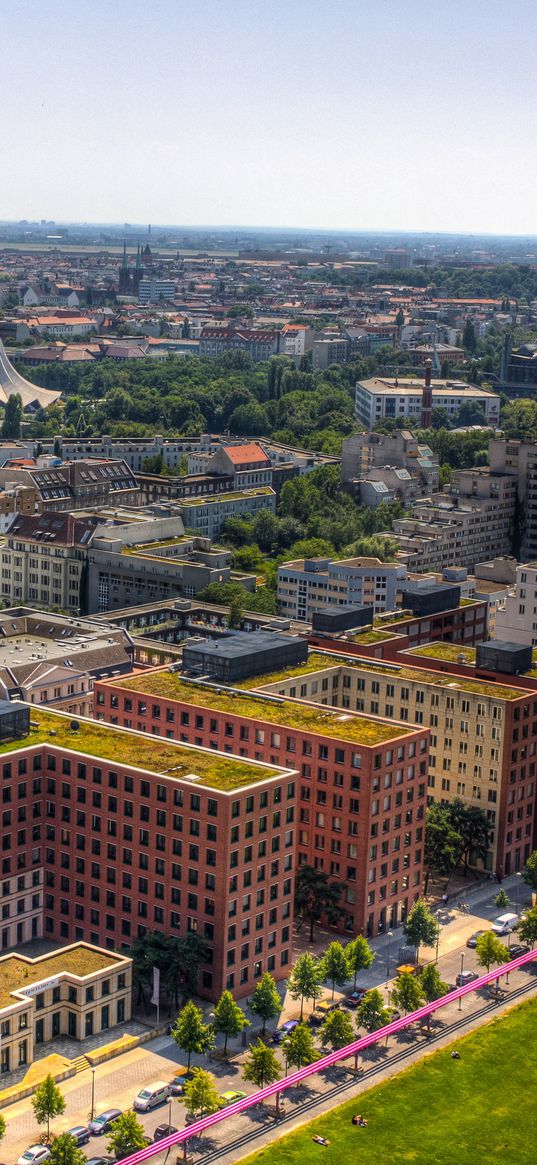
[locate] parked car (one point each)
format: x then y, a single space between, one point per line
34 1155
465 977
99 1161
517 949
285 1030
227 1098
151 1096
472 941
102 1123
162 1131
81 1134
505 923
324 1008
177 1085
355 997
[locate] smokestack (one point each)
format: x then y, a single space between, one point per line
427 399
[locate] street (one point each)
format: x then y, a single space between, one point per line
118 1080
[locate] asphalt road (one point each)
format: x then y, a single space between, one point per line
118 1081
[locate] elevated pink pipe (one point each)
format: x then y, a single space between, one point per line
353 1049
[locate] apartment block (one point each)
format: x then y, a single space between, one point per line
77 991
518 460
361 784
474 522
42 561
208 515
401 398
313 584
483 733
516 617
129 833
366 456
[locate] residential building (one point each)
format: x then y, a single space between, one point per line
64 486
152 290
309 585
296 340
62 327
207 516
401 398
42 561
247 465
77 991
516 617
330 350
54 659
518 460
361 787
258 343
366 452
17 499
146 834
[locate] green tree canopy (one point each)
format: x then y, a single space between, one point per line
229 1018
372 1012
191 1033
337 1030
299 1048
47 1102
11 424
305 979
127 1136
65 1151
407 992
359 956
529 872
265 1001
490 951
527 931
201 1095
432 985
421 927
261 1066
316 896
334 965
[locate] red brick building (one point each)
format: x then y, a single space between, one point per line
107 835
362 790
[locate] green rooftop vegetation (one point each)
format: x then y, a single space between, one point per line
315 662
341 725
227 497
372 635
140 752
450 652
18 972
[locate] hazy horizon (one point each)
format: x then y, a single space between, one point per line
364 116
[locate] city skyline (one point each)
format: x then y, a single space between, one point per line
372 118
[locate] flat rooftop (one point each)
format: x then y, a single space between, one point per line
219 499
242 701
412 385
18 971
180 762
23 649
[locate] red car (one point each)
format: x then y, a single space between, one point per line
355 998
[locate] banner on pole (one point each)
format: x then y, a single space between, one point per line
156 987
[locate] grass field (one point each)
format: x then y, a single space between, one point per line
478 1110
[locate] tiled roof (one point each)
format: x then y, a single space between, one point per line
244 454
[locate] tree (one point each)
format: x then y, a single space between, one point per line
190 1033
47 1102
305 979
337 1030
229 1018
261 1066
407 992
469 340
502 900
299 1047
334 965
529 873
11 425
527 930
265 1001
372 1012
421 927
432 985
201 1096
490 950
127 1136
2 1126
442 842
235 612
359 956
65 1151
471 824
314 894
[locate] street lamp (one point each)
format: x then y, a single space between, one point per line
389 936
93 1070
437 936
462 984
170 1112
518 877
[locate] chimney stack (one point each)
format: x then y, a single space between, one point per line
427 399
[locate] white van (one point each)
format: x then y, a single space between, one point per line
505 924
151 1096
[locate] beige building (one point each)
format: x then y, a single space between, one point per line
316 584
42 561
77 991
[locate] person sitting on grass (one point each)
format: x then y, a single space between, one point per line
320 1140
359 1120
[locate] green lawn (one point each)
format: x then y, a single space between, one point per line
478 1110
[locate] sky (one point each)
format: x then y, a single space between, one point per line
333 114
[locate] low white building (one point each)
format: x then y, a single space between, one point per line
313 584
401 399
